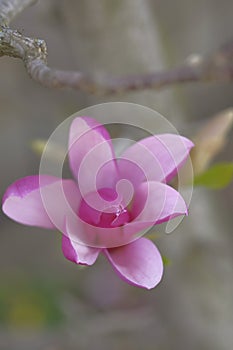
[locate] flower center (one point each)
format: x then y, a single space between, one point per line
111 213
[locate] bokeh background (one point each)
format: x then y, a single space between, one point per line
48 303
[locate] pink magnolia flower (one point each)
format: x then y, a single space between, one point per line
111 202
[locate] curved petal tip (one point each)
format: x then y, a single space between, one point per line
138 263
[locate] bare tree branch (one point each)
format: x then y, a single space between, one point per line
11 8
217 67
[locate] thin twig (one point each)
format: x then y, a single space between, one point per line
217 67
9 9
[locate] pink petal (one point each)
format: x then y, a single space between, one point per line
61 200
41 201
90 148
90 235
158 156
87 234
130 171
77 253
138 263
108 213
155 202
22 201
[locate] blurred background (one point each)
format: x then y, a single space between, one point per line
48 303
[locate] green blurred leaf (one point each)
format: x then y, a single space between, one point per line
166 261
53 151
153 235
30 305
216 177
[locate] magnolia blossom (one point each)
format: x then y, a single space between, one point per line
110 203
